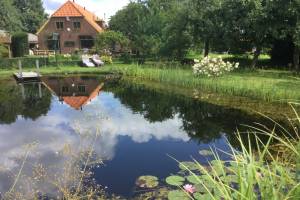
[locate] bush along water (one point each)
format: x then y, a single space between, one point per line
213 67
251 174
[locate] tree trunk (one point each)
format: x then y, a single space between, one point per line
296 58
255 57
206 48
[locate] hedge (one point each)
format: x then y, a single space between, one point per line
30 62
20 46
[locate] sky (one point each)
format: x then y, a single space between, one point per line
101 8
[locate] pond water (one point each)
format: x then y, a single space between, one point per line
139 129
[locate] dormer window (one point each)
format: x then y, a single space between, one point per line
59 25
77 25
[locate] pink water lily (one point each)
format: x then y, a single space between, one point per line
189 188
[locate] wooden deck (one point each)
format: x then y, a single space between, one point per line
27 76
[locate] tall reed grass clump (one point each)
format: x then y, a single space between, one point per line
260 170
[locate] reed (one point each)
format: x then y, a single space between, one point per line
255 171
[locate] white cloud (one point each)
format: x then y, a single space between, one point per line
99 7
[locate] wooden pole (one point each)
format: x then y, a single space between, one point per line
20 69
37 63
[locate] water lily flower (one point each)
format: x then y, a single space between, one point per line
189 188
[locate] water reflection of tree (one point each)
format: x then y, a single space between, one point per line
14 104
201 120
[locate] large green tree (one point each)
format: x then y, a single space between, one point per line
32 14
287 15
9 17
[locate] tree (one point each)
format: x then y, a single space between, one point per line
32 14
110 40
205 20
9 17
287 24
176 34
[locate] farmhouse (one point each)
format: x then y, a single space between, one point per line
70 28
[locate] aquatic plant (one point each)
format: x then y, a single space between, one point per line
213 67
252 173
147 182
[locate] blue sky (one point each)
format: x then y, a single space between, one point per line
99 7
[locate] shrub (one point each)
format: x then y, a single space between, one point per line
20 46
4 53
107 59
27 62
213 67
126 58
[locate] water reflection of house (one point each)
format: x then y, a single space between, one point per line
74 91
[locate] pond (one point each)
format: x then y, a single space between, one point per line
138 130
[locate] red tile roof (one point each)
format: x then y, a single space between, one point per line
71 9
77 102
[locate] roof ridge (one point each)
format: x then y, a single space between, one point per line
62 6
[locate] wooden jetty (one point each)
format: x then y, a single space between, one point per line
27 76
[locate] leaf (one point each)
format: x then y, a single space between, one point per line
230 179
206 152
199 196
190 165
194 179
177 195
147 182
175 180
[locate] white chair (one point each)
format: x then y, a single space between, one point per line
97 61
86 61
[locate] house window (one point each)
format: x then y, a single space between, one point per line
86 41
81 88
76 25
69 44
59 25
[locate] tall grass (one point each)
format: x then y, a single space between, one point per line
255 173
258 84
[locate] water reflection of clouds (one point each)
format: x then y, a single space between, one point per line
59 127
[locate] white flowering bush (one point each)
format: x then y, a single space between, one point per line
213 67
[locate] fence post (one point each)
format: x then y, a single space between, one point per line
37 63
20 69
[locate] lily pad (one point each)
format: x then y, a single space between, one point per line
218 167
188 165
199 196
177 195
200 188
206 152
194 179
175 180
230 179
147 182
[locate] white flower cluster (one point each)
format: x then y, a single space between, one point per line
213 67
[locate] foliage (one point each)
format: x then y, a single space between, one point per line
248 176
107 59
21 15
32 14
213 67
4 53
175 180
147 182
111 40
20 46
10 17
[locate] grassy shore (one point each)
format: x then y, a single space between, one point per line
268 85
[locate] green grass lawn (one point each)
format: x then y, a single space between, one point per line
269 85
